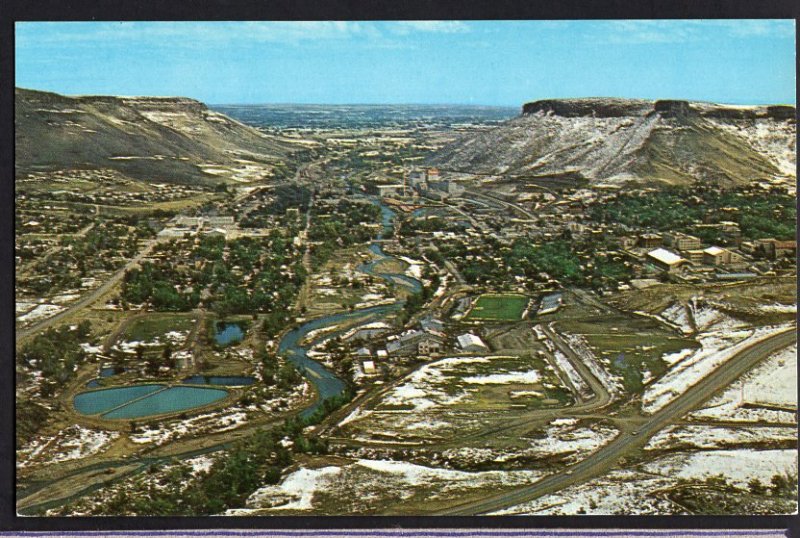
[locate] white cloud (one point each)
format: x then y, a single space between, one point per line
678 31
441 27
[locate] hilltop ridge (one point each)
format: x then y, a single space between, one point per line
169 139
667 141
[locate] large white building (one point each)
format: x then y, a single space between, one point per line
665 260
471 343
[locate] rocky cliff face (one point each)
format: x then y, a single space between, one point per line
162 139
612 140
599 108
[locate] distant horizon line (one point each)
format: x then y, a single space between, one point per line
321 104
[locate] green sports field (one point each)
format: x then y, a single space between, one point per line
498 308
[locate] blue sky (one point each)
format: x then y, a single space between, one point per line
466 62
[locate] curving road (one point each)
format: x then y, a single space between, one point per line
607 457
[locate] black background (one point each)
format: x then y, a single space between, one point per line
115 10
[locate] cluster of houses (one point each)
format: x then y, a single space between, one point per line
428 338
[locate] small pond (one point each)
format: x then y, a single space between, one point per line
144 400
226 380
93 384
227 333
108 371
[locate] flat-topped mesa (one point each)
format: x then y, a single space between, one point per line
734 112
601 107
604 107
782 112
160 103
673 108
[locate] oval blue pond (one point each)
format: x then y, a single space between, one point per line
100 401
226 380
144 400
171 400
228 333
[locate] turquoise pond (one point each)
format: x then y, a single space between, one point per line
141 401
228 333
225 380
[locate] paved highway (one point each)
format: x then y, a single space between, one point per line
607 457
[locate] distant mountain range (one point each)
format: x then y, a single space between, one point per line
164 139
604 140
608 140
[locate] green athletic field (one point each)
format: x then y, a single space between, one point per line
498 308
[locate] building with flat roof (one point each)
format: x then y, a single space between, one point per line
471 343
665 260
389 190
681 241
720 256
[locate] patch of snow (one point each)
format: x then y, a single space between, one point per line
737 466
74 442
528 377
773 382
296 491
40 312
716 348
701 436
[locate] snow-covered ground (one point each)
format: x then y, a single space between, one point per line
433 385
677 315
779 308
221 421
702 436
716 348
414 269
357 486
175 338
72 443
738 466
40 312
575 378
200 464
620 492
210 422
296 491
581 348
775 140
773 382
22 307
707 318
640 491
430 401
565 436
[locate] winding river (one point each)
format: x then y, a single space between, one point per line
326 383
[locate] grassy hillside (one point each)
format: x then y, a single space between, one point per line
157 139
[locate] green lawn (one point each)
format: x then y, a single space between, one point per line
148 327
498 308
